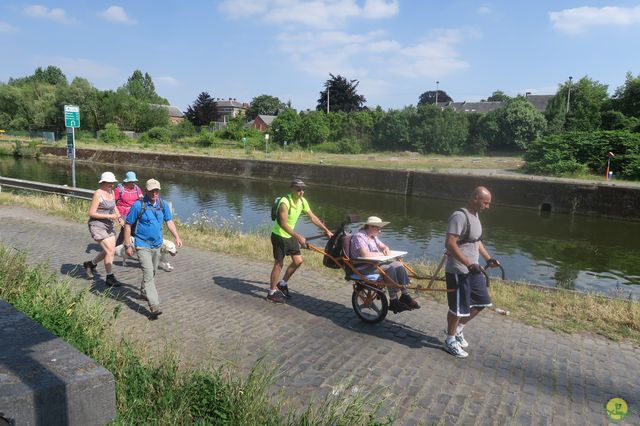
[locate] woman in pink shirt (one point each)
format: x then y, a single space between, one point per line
125 195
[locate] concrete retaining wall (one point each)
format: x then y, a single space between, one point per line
609 199
45 381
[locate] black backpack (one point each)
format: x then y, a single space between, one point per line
276 206
334 248
464 238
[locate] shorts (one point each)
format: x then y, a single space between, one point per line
100 231
470 292
284 247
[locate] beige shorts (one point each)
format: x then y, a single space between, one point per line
100 232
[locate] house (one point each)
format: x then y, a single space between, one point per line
539 102
228 109
263 122
469 107
175 115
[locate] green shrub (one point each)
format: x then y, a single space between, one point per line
183 129
156 135
112 134
206 138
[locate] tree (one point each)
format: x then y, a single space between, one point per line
203 111
627 97
285 126
586 100
313 129
264 105
343 95
519 123
439 130
498 96
50 75
392 131
429 97
142 88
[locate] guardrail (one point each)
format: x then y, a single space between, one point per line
49 188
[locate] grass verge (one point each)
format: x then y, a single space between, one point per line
157 391
556 309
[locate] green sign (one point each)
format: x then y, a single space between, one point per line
72 116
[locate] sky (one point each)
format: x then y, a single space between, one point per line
396 49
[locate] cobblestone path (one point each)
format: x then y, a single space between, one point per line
214 309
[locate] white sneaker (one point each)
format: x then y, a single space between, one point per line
454 349
460 339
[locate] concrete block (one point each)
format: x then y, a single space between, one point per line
46 381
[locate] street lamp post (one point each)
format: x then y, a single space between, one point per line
266 144
327 100
437 90
569 94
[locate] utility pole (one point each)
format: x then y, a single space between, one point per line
569 94
327 99
437 85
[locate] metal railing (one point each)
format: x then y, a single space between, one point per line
48 188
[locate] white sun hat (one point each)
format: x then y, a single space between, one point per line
108 177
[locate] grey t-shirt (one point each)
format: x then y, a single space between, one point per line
457 224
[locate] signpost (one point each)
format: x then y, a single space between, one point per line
72 121
266 144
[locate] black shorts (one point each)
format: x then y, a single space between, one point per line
470 292
284 246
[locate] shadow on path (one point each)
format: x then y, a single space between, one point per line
338 314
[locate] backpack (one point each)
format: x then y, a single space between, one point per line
276 206
144 207
464 237
334 248
120 187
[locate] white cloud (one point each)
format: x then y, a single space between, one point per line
80 67
168 80
356 54
8 28
484 9
314 13
578 20
116 14
38 11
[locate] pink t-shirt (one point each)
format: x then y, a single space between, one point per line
126 197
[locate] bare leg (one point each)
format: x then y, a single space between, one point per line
452 323
474 311
109 248
275 273
296 261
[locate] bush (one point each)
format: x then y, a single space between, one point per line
112 134
183 129
586 151
156 135
206 138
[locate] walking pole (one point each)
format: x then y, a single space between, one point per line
606 173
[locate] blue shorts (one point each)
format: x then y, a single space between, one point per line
470 292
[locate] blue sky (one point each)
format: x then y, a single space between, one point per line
397 49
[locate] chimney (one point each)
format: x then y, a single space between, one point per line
526 95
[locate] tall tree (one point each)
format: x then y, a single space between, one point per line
342 95
577 106
142 88
203 111
429 97
265 105
627 97
50 75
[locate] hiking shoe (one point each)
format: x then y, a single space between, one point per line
154 312
454 349
89 268
284 289
111 281
275 297
397 306
460 339
409 301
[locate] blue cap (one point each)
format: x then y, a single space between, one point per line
130 177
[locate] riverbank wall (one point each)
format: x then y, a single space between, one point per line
546 194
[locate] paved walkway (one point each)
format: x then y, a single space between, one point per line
214 309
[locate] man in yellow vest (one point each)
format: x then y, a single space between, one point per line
286 241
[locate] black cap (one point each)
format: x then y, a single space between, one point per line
298 182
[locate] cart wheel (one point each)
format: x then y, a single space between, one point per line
369 304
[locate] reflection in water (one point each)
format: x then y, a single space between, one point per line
574 252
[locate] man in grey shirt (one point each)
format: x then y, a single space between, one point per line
463 272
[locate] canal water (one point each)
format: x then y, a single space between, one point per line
575 252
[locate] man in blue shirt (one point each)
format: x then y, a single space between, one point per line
148 215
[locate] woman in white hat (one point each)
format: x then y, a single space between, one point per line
365 243
102 214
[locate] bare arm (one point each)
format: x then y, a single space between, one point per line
174 232
451 243
127 239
